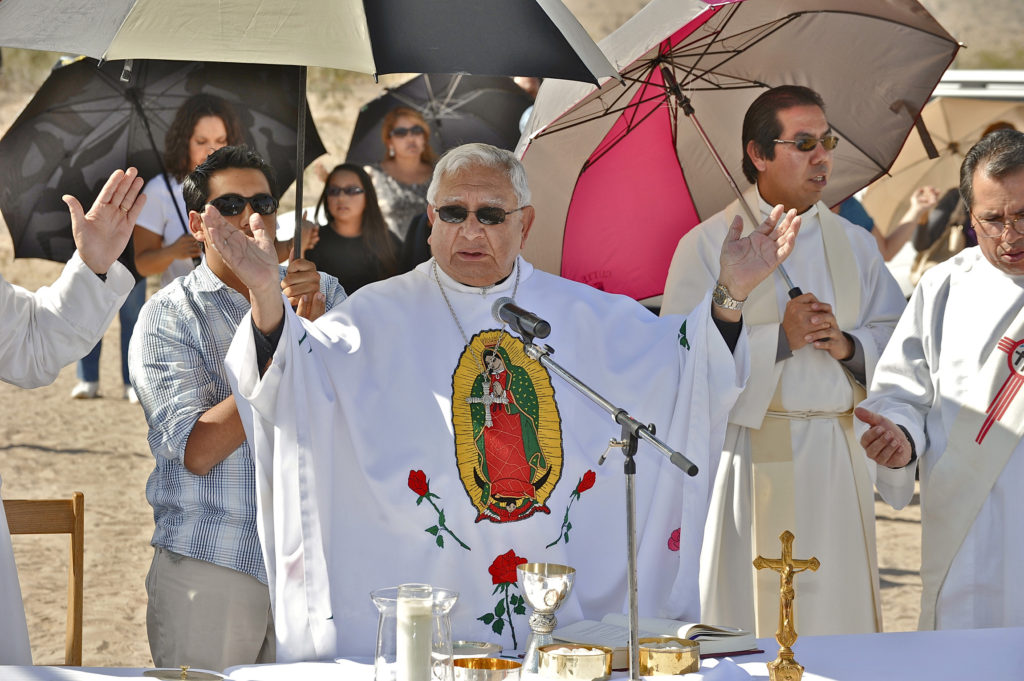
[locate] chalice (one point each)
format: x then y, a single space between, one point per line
545 587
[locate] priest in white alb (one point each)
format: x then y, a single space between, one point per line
791 460
56 325
406 437
946 395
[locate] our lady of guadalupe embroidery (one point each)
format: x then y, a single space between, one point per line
508 433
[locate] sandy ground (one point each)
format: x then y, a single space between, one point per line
51 446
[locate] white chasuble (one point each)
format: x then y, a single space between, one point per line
14 645
790 434
951 377
388 451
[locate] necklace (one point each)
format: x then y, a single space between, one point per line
483 292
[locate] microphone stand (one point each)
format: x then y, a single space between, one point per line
632 432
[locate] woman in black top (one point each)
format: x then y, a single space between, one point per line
355 245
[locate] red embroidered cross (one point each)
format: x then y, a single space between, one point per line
1015 358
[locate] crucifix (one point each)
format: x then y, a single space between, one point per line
785 667
487 400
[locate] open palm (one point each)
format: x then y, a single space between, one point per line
747 261
253 258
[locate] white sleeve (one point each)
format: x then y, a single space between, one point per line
58 324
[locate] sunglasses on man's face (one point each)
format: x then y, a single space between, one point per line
402 132
348 190
807 143
488 215
233 204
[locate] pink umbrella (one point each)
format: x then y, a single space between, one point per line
619 174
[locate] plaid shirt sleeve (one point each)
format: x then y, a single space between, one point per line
170 376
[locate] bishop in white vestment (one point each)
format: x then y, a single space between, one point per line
406 437
56 325
790 461
946 393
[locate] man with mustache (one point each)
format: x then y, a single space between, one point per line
790 460
945 397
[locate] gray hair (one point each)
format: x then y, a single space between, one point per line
479 154
998 154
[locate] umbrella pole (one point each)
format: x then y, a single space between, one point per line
300 153
683 102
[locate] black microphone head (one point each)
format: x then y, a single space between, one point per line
496 308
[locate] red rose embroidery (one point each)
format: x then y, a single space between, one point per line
503 569
418 482
504 575
673 540
586 482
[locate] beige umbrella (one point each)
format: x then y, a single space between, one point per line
620 173
955 124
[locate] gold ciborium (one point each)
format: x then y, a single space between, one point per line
545 587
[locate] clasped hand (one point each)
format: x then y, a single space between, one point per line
808 320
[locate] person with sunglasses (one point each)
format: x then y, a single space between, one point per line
945 401
417 410
208 600
791 461
355 245
402 177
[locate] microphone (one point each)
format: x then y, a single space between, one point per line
519 320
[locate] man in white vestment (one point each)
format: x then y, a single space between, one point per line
946 394
56 325
406 436
790 460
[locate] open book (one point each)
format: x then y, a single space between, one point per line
613 632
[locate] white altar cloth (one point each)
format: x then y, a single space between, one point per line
947 655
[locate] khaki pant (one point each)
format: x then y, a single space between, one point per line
205 615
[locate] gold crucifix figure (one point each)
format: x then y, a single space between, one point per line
785 667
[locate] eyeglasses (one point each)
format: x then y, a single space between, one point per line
488 215
233 204
402 132
348 190
810 143
993 228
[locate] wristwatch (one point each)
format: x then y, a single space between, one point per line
720 297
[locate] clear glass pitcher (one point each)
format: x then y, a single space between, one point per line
414 633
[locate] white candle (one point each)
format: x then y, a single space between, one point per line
415 632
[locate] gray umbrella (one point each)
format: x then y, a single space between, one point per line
459 109
85 121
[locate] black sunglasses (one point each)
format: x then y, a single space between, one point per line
488 215
402 132
810 143
234 204
347 190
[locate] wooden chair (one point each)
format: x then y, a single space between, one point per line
58 516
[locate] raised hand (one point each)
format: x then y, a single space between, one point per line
747 261
253 258
884 442
102 233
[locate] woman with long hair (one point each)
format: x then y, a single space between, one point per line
403 176
355 245
161 240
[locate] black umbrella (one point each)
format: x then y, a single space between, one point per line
85 121
459 109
